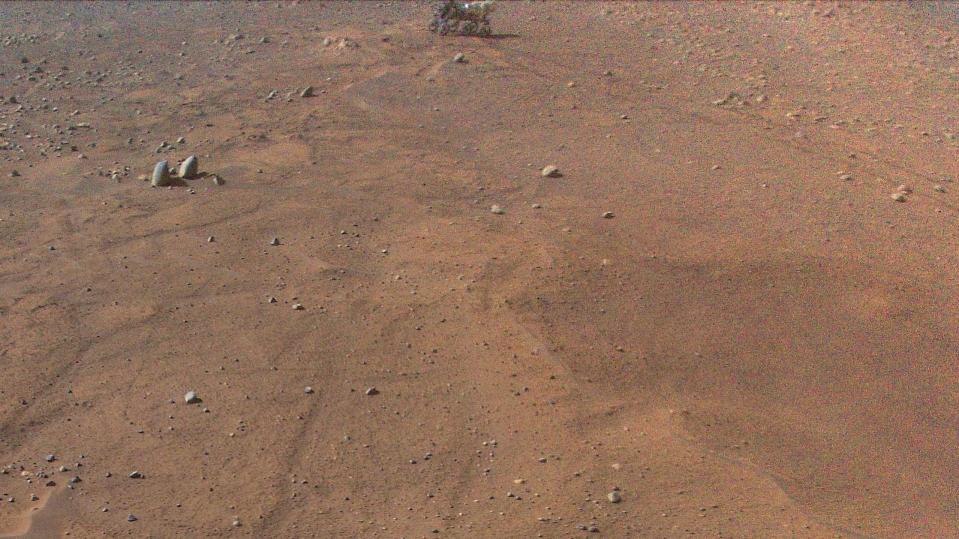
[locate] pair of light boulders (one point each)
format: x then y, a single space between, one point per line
189 169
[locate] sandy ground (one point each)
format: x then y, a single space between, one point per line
759 340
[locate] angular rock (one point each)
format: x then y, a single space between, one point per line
191 397
161 174
189 168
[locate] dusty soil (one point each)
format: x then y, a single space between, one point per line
758 341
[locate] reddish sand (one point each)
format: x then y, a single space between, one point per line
760 342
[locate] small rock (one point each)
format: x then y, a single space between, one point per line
50 458
939 189
607 215
189 167
217 180
307 92
161 174
904 189
191 397
14 173
297 307
275 241
550 171
131 518
308 390
498 210
459 58
898 197
135 474
614 497
372 391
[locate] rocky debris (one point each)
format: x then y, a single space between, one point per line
614 497
372 391
131 518
217 180
733 99
308 390
50 458
307 92
459 58
14 173
275 241
189 168
608 215
550 171
297 307
161 174
498 210
898 197
135 474
191 398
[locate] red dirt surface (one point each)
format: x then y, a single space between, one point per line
760 341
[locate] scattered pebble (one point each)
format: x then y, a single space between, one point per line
372 391
607 215
550 171
498 210
459 58
191 397
614 497
275 241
